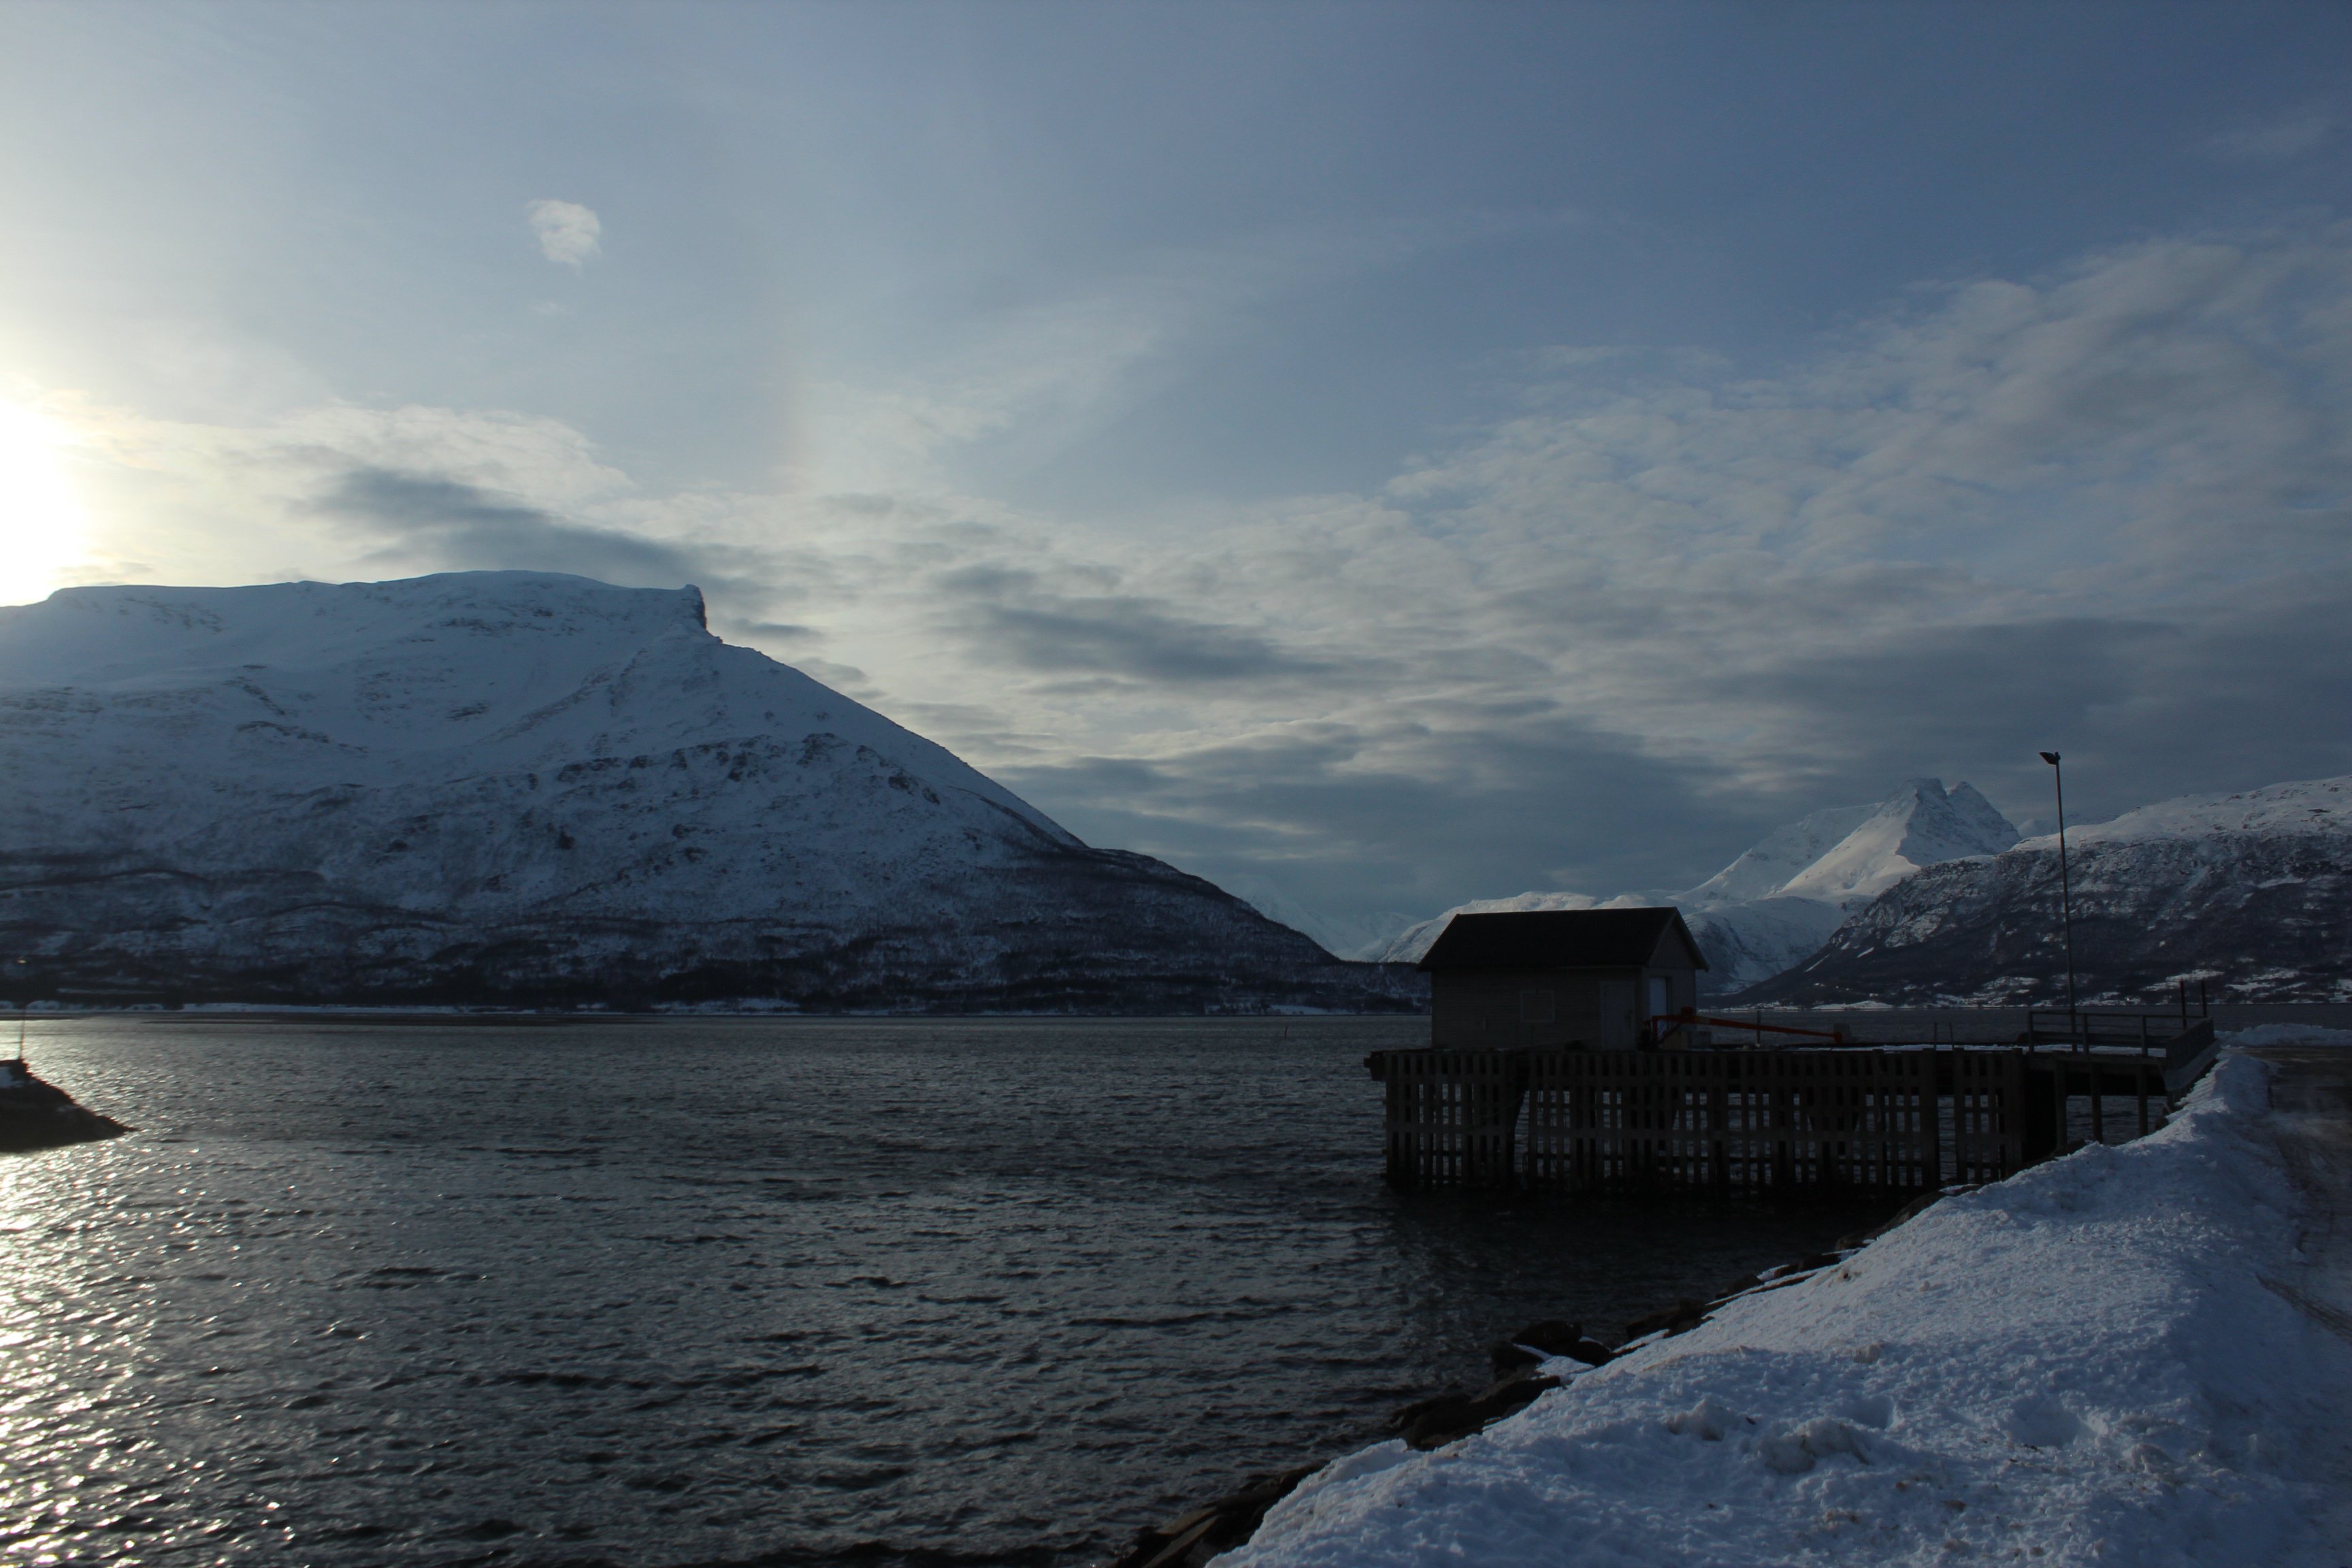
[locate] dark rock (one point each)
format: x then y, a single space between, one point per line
37 1115
1508 1358
1679 1318
1739 1287
1191 1538
1433 1423
1403 1419
1551 1337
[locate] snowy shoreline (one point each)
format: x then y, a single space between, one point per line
2102 1360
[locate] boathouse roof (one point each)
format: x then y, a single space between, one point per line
1565 939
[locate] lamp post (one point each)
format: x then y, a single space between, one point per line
2065 891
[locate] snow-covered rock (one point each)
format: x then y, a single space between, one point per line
2252 892
530 787
1777 903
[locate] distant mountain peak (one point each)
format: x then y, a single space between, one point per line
1779 901
1920 824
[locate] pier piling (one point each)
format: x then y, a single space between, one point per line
1888 1117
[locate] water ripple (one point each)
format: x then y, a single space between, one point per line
701 1292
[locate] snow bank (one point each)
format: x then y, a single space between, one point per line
2090 1363
2288 1034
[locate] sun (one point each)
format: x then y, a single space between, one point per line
41 524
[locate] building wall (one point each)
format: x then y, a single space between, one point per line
1493 1009
1506 1009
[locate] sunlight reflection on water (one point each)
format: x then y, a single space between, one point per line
673 1292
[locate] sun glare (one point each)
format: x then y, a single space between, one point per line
41 531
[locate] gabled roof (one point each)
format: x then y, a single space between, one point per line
1561 939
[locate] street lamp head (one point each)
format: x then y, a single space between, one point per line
2050 757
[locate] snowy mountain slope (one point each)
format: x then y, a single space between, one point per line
527 787
1777 903
1781 857
2316 806
1921 823
1338 934
1758 938
2251 892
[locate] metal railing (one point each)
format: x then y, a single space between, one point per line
2147 1032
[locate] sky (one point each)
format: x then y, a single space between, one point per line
1373 456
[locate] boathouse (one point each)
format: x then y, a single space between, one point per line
1560 979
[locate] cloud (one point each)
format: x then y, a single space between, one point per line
1601 643
1012 621
460 525
568 232
2289 135
1343 819
1030 381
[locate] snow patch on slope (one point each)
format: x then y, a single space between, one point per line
2307 806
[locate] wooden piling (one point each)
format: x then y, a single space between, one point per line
1891 1119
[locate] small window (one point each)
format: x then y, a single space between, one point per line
1535 1007
1662 995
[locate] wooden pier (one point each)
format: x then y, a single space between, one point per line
1890 1117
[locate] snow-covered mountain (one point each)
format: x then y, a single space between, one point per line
2252 892
1848 854
1778 902
534 788
1333 933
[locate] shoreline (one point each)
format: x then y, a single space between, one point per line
1522 1365
2117 1355
1863 1025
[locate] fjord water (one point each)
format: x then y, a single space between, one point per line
669 1291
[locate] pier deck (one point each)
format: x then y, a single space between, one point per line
1885 1117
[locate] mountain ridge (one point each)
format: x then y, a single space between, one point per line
2249 891
1779 901
533 789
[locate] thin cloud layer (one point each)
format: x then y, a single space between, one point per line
568 234
1602 643
2289 135
451 522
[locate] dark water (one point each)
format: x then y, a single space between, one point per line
682 1292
